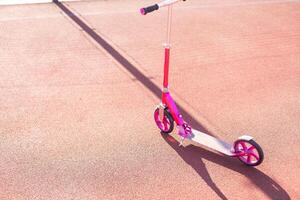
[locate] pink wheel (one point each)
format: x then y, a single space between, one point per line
249 152
167 124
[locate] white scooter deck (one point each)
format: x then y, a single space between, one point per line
211 142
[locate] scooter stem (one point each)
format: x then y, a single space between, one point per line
169 24
167 50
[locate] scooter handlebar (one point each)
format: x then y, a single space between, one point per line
149 9
154 7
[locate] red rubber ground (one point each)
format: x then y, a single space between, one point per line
77 95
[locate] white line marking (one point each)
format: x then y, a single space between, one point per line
16 2
136 11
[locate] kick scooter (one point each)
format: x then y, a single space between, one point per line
244 148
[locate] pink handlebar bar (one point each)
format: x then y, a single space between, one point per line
154 7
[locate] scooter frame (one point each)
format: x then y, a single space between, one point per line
244 148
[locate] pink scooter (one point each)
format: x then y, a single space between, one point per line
244 148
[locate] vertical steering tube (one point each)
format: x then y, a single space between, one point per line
166 67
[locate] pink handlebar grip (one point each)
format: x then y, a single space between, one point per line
142 11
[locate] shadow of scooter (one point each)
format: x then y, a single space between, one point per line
193 156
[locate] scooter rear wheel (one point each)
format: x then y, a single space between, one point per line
166 125
249 152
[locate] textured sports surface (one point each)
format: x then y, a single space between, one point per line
79 82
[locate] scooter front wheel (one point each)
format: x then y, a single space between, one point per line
166 125
249 152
